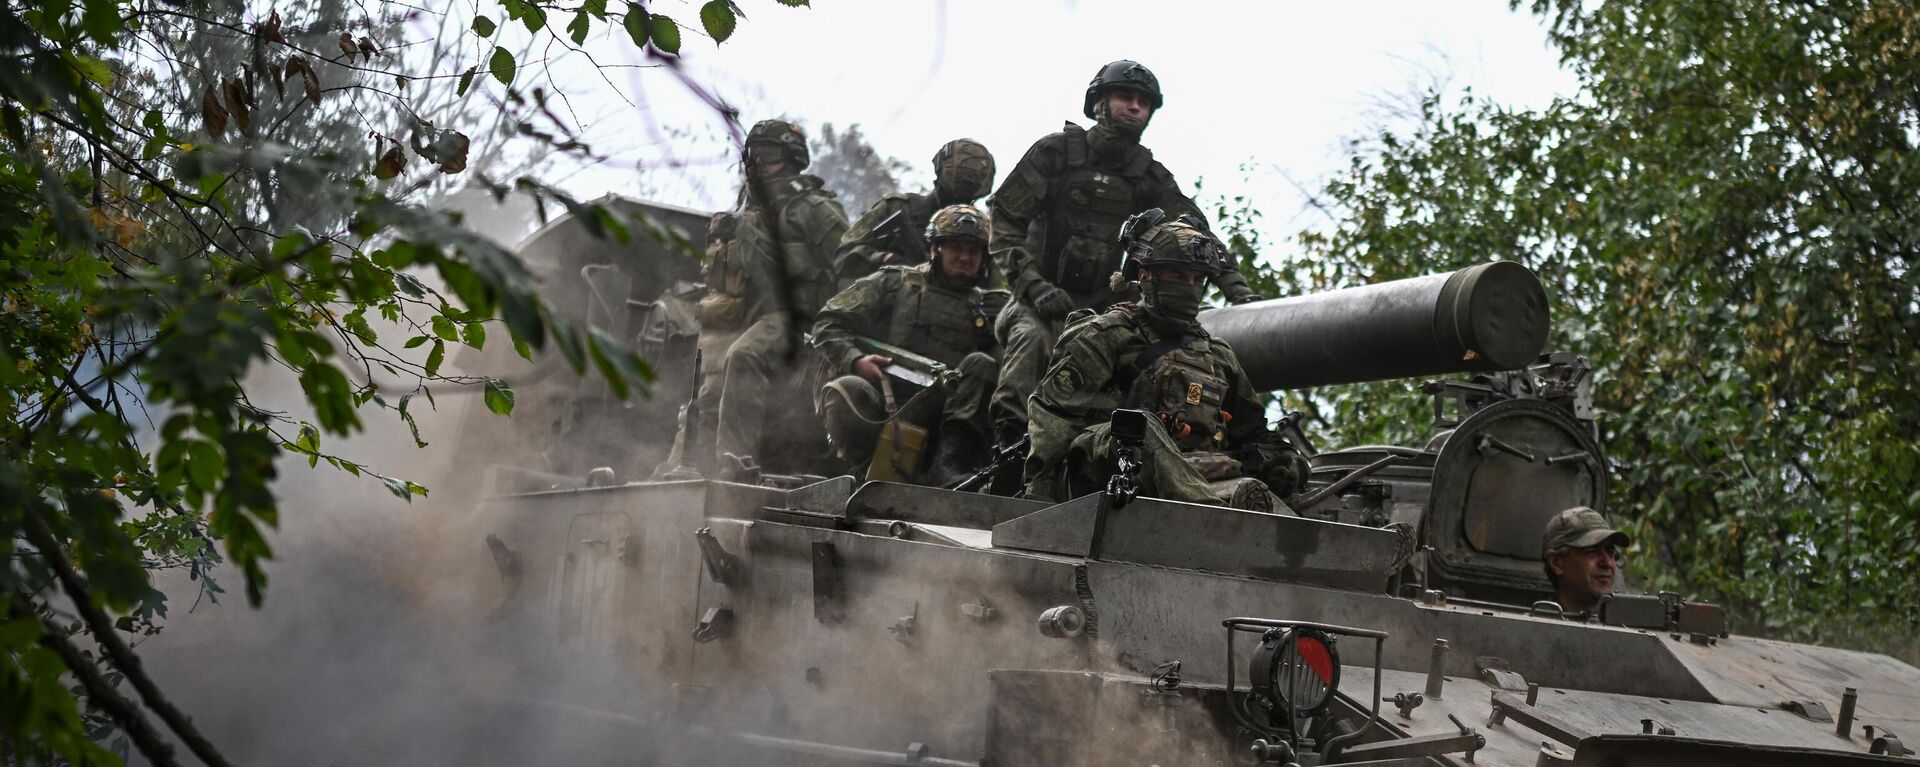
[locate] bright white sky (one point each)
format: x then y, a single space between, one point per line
1276 87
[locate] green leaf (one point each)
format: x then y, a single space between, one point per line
577 28
502 66
466 81
483 26
666 34
474 334
435 357
535 18
792 3
443 328
499 397
204 466
93 69
416 341
637 24
717 17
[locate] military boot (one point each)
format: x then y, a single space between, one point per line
960 451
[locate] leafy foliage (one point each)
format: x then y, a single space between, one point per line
190 193
1727 216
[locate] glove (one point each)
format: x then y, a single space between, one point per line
1051 302
1246 298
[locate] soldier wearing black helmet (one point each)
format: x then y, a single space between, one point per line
890 231
769 272
1210 442
1055 217
938 309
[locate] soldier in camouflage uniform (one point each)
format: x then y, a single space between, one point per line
1211 443
890 231
1055 218
765 286
938 309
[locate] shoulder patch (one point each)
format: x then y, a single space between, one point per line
1068 377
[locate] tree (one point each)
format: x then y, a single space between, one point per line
1727 216
187 193
853 169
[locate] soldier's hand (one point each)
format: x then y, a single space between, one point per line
1051 302
1246 298
869 367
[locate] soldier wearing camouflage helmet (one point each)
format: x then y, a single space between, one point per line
1210 442
938 309
764 285
1581 553
890 232
1055 217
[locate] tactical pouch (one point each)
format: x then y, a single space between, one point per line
897 456
1085 266
717 311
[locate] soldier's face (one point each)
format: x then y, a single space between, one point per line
1588 572
1175 275
1129 105
765 161
960 259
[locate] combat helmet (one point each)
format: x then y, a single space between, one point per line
786 136
961 222
1150 240
963 169
1123 74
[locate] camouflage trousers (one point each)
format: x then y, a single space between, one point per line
854 411
1165 472
746 371
1026 343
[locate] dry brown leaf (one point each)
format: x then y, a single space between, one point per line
214 115
367 48
271 29
236 103
391 163
347 46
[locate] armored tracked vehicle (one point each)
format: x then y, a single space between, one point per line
1400 615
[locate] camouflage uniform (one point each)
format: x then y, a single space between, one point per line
766 284
917 309
1055 217
1211 436
891 231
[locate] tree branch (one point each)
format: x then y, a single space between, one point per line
101 626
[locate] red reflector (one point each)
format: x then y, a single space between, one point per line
1313 654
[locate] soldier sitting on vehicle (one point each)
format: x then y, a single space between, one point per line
1210 443
890 231
769 273
938 311
1581 553
1055 215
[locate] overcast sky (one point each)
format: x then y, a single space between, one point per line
1275 87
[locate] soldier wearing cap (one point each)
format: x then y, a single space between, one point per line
890 231
1581 553
939 309
1210 442
1054 221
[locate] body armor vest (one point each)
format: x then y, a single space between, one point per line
726 304
942 323
1084 218
1185 383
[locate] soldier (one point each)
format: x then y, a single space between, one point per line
1055 217
938 309
1154 356
890 231
765 286
1581 553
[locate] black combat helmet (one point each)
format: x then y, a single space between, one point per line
963 170
1123 74
785 135
1149 239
